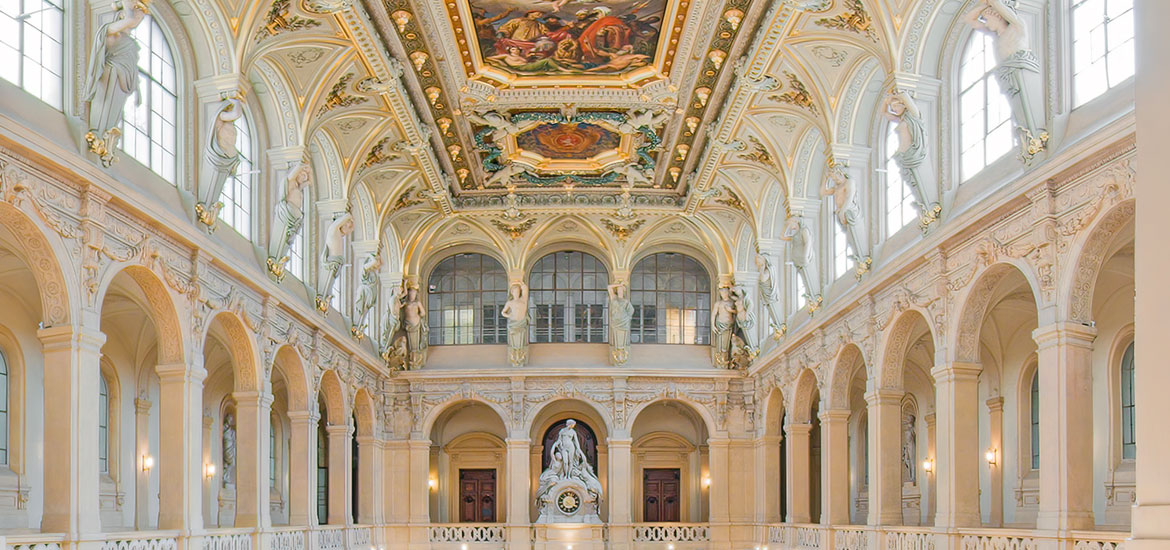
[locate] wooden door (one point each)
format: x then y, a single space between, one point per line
477 496
660 495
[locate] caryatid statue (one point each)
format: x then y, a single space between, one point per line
414 322
800 252
332 258
288 217
910 157
840 186
391 323
367 294
112 77
516 311
768 293
1017 70
722 328
621 315
745 321
222 159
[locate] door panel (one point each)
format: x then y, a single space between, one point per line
661 497
477 496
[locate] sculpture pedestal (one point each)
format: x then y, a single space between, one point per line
569 501
566 536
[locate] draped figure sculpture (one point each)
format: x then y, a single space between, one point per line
568 471
841 187
288 217
800 254
414 322
769 294
223 158
112 77
516 311
332 258
367 294
621 315
900 109
745 322
1017 69
722 328
390 326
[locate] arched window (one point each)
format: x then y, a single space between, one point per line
801 292
322 466
103 425
148 126
1128 437
671 294
354 488
465 294
568 289
1102 46
840 251
1034 403
4 440
31 47
296 252
237 191
900 209
985 118
272 424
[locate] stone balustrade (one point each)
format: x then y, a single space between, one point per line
671 532
467 533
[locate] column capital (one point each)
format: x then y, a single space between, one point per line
367 439
884 396
619 442
1067 333
303 417
930 420
995 404
253 398
418 443
338 430
209 88
517 442
956 370
64 336
142 406
797 429
840 415
179 372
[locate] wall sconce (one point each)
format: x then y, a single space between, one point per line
990 456
670 546
209 470
432 483
147 463
463 546
928 465
706 481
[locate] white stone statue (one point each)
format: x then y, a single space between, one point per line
112 77
800 253
768 292
414 317
222 160
501 125
229 448
636 119
840 186
1017 70
745 321
504 175
635 174
909 449
367 294
517 312
332 258
910 157
391 323
621 315
288 217
722 328
568 491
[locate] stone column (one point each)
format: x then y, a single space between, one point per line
767 479
179 461
419 450
799 510
208 505
929 495
885 456
995 472
956 387
369 467
302 466
142 478
835 467
516 472
621 494
71 359
253 421
1064 359
720 492
339 472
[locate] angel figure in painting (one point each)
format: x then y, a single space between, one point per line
112 77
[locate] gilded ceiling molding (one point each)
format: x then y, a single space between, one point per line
622 232
854 19
514 231
280 20
339 96
798 95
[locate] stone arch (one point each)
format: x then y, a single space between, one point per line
40 250
803 393
701 256
596 249
773 412
847 361
364 412
895 345
332 392
975 301
440 411
237 339
703 413
1090 253
580 409
161 310
290 365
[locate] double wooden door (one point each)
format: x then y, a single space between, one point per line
477 496
660 495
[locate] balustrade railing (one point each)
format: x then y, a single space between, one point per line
292 538
330 538
1098 540
671 532
997 540
850 539
37 541
467 532
909 539
809 537
145 540
228 539
360 537
777 534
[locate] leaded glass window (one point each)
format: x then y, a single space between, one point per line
671 294
569 296
1128 437
148 125
465 294
985 118
1103 52
1035 420
31 47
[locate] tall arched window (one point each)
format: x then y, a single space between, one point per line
237 191
840 251
1102 46
465 294
1034 403
801 292
322 465
103 425
148 126
900 209
31 47
296 252
671 294
985 118
272 424
1128 437
4 439
568 289
354 488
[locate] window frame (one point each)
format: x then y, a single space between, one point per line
243 183
988 84
445 333
570 312
39 13
704 289
893 176
1072 6
146 81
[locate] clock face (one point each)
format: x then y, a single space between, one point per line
568 502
